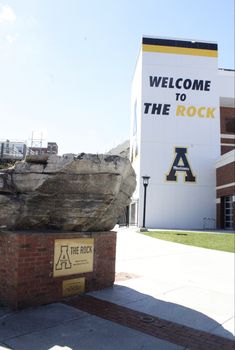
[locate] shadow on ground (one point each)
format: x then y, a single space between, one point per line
57 326
135 300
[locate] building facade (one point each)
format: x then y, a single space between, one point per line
225 166
12 150
182 120
52 148
17 150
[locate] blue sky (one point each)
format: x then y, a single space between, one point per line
66 66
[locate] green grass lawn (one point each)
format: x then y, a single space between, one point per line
224 242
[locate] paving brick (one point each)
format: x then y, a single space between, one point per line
169 331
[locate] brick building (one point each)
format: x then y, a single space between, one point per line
52 148
225 166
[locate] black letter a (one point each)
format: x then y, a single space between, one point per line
181 164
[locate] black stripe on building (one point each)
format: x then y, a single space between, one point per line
180 43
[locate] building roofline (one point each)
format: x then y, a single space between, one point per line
226 69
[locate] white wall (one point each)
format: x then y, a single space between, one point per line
135 128
177 204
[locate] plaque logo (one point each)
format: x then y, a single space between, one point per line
63 261
73 256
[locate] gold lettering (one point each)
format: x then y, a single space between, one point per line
200 112
180 110
210 112
191 111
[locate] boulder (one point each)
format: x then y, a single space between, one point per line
86 192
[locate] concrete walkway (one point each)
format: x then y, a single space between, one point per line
190 288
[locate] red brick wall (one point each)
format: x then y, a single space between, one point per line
225 113
26 266
228 140
225 174
226 149
228 191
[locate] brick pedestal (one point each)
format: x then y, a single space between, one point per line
27 263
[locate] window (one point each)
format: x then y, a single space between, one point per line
228 212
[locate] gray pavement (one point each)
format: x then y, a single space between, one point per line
198 281
187 285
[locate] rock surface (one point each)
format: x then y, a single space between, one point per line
86 192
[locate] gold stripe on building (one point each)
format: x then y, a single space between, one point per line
179 50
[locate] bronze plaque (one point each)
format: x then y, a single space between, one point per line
73 286
73 256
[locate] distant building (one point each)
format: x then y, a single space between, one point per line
52 148
12 150
17 150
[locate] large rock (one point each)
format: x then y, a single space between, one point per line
81 193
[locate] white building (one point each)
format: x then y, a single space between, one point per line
175 133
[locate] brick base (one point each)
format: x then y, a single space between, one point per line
26 266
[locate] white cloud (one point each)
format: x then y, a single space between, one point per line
7 14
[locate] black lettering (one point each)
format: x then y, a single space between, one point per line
146 107
207 85
164 82
187 84
177 96
155 81
197 85
166 109
85 249
156 109
177 83
74 250
171 85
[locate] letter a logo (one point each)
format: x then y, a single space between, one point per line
181 164
63 261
